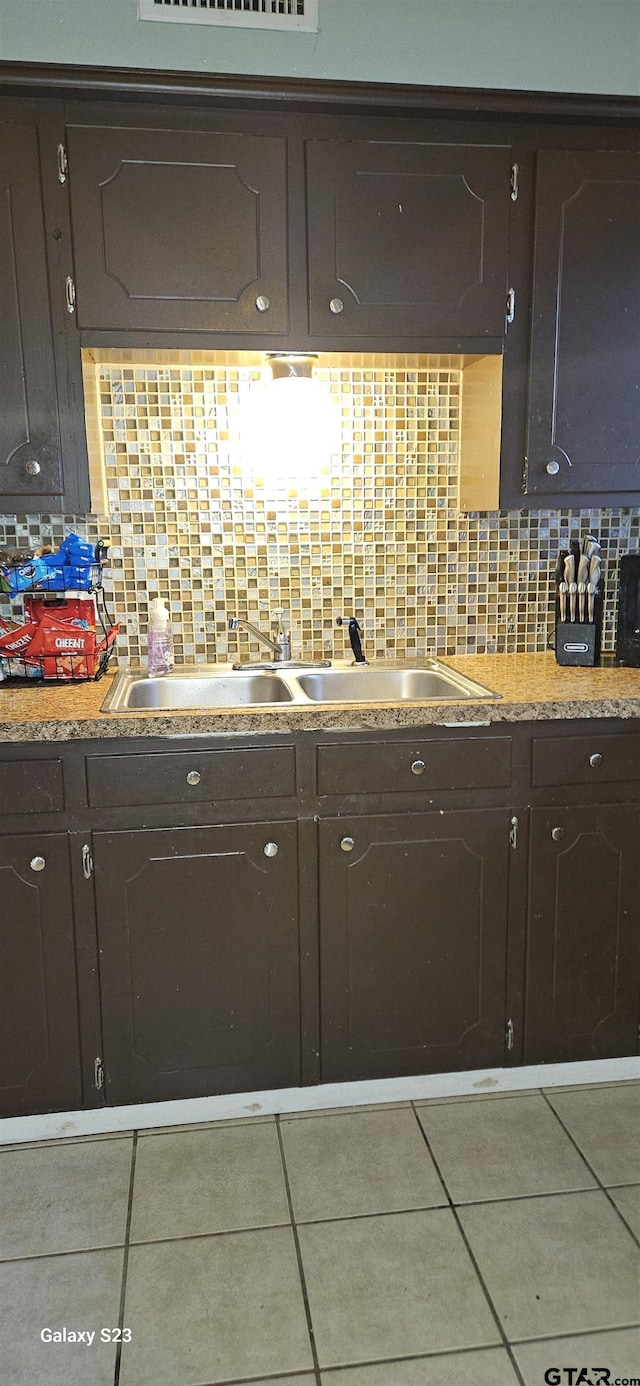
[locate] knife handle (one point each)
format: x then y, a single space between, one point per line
582 588
562 597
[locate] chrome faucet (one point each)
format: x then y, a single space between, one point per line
281 647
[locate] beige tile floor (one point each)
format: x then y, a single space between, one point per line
469 1242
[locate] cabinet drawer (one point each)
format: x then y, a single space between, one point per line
191 776
387 767
31 786
585 759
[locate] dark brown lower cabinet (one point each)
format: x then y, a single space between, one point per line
199 960
39 1042
583 930
413 923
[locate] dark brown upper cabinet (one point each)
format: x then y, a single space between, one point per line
584 383
413 925
179 230
199 960
39 1035
407 239
582 933
30 445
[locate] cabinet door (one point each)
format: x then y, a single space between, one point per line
179 230
411 238
413 923
199 966
39 1041
30 465
582 987
584 401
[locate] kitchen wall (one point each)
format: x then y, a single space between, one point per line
545 45
374 530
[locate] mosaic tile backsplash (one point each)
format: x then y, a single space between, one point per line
374 531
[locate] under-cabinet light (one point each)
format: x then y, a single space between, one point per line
289 423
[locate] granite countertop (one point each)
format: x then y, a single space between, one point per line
532 687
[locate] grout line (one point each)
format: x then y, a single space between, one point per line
524 1198
64 1142
473 1349
289 1118
376 1213
505 1341
582 1333
319 1222
151 1241
272 1226
53 1255
601 1187
280 1377
217 1232
303 1283
125 1259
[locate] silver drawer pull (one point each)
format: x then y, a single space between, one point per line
418 767
552 468
32 468
37 863
557 834
595 760
347 844
270 849
263 303
337 305
194 777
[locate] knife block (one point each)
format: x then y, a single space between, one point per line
578 642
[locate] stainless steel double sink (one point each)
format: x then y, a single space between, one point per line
221 687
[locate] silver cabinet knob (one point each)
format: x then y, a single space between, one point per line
552 468
348 844
37 863
194 777
557 834
595 760
263 303
418 767
270 849
32 468
337 305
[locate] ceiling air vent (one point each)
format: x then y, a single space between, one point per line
294 16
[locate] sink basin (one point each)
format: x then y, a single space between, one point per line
364 684
184 689
220 687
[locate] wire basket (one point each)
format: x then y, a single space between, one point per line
70 667
56 643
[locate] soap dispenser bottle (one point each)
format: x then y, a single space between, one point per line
159 639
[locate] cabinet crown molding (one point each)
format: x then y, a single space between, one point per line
75 81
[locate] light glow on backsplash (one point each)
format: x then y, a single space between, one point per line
373 531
